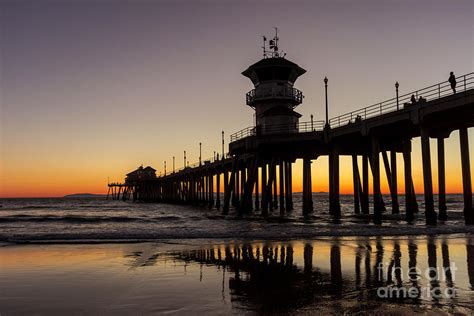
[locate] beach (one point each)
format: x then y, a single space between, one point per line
91 256
325 275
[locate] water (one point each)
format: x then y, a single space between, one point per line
91 256
54 220
337 275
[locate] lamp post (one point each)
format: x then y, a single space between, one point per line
222 145
165 168
396 88
173 164
185 159
326 90
200 146
312 128
214 155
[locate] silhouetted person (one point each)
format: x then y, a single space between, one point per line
452 81
413 99
421 99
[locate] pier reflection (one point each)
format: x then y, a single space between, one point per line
339 274
470 261
267 275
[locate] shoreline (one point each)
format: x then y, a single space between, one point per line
170 239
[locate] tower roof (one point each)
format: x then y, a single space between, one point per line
277 68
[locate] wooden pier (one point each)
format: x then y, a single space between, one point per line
257 171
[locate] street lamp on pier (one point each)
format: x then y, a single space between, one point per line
222 145
184 159
396 88
326 93
173 164
200 153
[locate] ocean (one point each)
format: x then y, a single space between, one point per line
100 220
97 257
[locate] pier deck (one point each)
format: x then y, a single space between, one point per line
249 171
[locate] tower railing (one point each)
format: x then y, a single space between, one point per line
278 129
436 91
279 92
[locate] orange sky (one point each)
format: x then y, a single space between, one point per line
58 180
94 92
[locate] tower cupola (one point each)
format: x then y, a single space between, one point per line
274 96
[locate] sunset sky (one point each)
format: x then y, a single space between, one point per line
90 90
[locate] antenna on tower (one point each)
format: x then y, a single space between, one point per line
264 46
274 43
273 51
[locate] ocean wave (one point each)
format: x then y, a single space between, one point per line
166 218
67 218
277 233
36 207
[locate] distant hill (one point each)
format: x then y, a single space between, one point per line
84 196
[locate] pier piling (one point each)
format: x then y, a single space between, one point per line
466 176
430 214
441 182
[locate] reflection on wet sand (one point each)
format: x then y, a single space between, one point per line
272 276
470 261
333 275
266 276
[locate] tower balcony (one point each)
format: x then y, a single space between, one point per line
293 95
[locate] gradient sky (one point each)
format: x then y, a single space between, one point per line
92 89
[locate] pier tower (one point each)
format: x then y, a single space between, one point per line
274 96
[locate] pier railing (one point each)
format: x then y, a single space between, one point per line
203 162
436 91
248 131
274 129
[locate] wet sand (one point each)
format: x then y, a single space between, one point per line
325 275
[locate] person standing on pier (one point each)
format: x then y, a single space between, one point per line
452 81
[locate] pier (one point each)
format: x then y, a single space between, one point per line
256 173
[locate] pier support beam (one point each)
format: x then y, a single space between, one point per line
211 190
246 203
257 200
441 181
393 180
269 188
466 176
275 190
286 167
218 190
264 189
243 179
237 187
334 205
307 191
290 186
430 214
378 208
281 181
365 184
409 209
229 186
356 180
